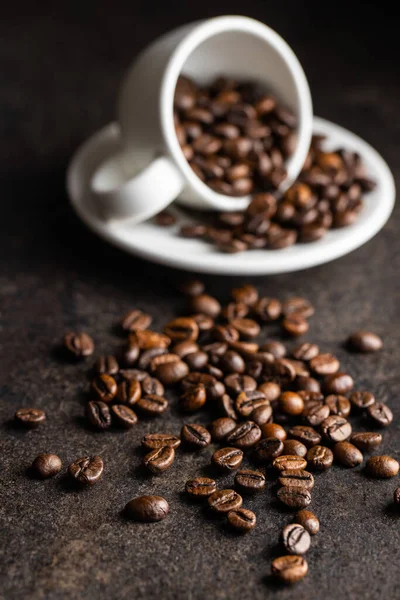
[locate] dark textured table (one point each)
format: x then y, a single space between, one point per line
60 71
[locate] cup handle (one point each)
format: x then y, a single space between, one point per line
119 195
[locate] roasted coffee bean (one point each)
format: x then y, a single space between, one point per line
338 383
273 430
225 333
294 448
200 487
185 93
183 349
307 384
380 414
308 520
315 414
247 328
214 389
246 402
235 310
227 407
232 362
98 415
396 496
324 364
238 383
206 305
319 458
305 351
365 341
129 374
267 449
296 478
30 417
129 391
338 405
148 509
78 345
242 519
262 414
222 427
382 466
154 441
247 294
347 454
294 497
123 416
195 436
298 306
306 435
270 389
300 367
267 309
336 429
289 569
291 403
170 373
159 459
192 287
366 440
46 465
249 482
216 349
151 386
147 357
152 405
296 539
136 320
193 399
181 329
288 462
362 399
277 349
131 354
104 387
147 339
295 325
87 470
224 501
281 371
227 459
245 435
106 364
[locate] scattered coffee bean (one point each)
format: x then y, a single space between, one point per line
314 414
294 448
245 435
338 405
242 519
222 427
382 466
201 487
194 398
246 402
86 470
151 386
305 351
338 383
106 364
224 501
366 440
291 403
227 459
296 478
304 434
380 414
135 320
79 345
104 387
98 414
294 497
206 305
267 449
324 364
271 390
296 539
308 520
129 391
295 325
289 569
336 429
248 481
123 416
347 454
362 399
154 441
365 341
287 462
159 459
147 509
46 465
30 417
319 458
193 287
152 405
165 218
195 436
273 430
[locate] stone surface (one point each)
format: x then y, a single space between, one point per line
60 69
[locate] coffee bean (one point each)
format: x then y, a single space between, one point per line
338 405
214 389
338 383
365 341
200 487
247 294
147 339
245 435
181 329
289 569
294 448
307 384
159 459
249 481
382 466
362 399
366 440
246 402
98 415
296 478
296 539
267 309
129 374
262 414
78 345
273 430
308 520
271 390
86 470
154 441
294 497
315 414
206 305
380 414
242 519
227 407
299 306
193 399
336 429
291 403
232 362
225 333
106 364
300 367
220 428
238 383
131 354
147 509
267 449
227 459
235 310
183 349
319 458
192 287
30 417
295 325
129 391
347 454
396 496
288 462
306 435
305 351
123 416
324 364
195 436
152 405
171 372
46 465
136 320
151 386
104 387
247 328
224 501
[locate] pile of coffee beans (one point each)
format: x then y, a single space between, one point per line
284 408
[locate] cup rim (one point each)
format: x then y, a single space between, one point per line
200 33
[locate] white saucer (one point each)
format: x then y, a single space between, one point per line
163 244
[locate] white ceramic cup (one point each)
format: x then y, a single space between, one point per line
151 171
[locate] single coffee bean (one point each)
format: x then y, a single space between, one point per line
267 309
249 482
242 519
123 416
305 351
294 448
147 509
247 328
106 364
183 349
396 496
224 501
129 374
78 345
267 449
192 287
306 435
131 354
227 407
129 391
235 310
246 402
135 320
273 430
296 478
307 384
291 403
104 387
338 383
214 389
324 364
195 436
147 339
220 428
245 435
206 305
380 414
200 487
225 333
193 399
30 417
294 497
289 569
247 294
159 459
277 349
366 440
171 372
295 325
152 405
296 539
382 466
288 462
151 386
232 362
315 414
86 470
298 306
365 341
347 454
154 441
98 414
362 399
300 367
338 405
227 459
46 465
308 520
262 414
237 383
181 329
336 429
271 390
319 458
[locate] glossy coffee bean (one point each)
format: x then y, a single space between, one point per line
227 459
46 465
315 414
147 339
271 390
296 478
220 428
262 414
200 487
288 462
289 569
319 458
232 362
195 436
241 520
206 305
296 539
98 414
324 364
294 448
295 325
246 402
382 466
182 329
123 416
273 430
30 418
247 328
135 320
267 449
152 405
171 371
224 501
291 403
152 386
249 482
277 349
238 384
159 459
336 429
347 454
129 391
305 351
104 388
129 374
365 341
78 345
338 405
247 294
193 399
192 287
154 441
308 520
366 440
307 384
305 434
362 400
294 497
148 509
380 414
86 470
245 435
106 364
338 383
267 309
299 306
